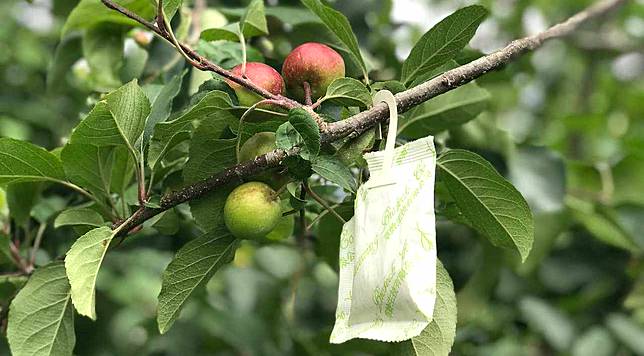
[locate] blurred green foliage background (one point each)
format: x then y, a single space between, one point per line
565 125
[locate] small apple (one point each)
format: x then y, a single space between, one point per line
252 210
259 144
262 75
314 63
283 230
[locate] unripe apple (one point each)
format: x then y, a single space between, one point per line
314 63
259 144
252 210
283 230
262 75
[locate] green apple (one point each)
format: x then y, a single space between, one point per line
252 210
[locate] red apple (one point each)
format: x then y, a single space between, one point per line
262 75
314 63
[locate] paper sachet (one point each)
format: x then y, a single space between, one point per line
387 259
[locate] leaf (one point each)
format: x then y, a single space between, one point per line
229 32
493 206
438 337
286 14
227 54
170 7
130 107
103 50
24 162
628 331
337 23
212 108
82 263
41 318
602 224
89 166
67 53
301 130
89 13
444 112
209 155
557 328
194 264
333 170
79 216
162 104
21 197
117 120
597 341
253 22
5 250
442 42
348 92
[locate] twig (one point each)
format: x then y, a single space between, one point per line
324 204
361 122
320 216
39 235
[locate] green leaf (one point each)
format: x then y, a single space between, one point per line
286 14
493 206
442 42
170 7
162 104
337 23
444 112
21 197
597 341
602 224
194 264
628 331
229 32
438 337
212 108
5 251
557 328
24 162
301 130
82 262
393 86
41 318
130 107
103 50
253 22
89 13
348 92
67 53
89 166
117 120
227 54
79 216
209 155
333 170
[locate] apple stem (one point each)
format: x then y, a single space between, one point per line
307 94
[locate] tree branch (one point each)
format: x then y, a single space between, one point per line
361 122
